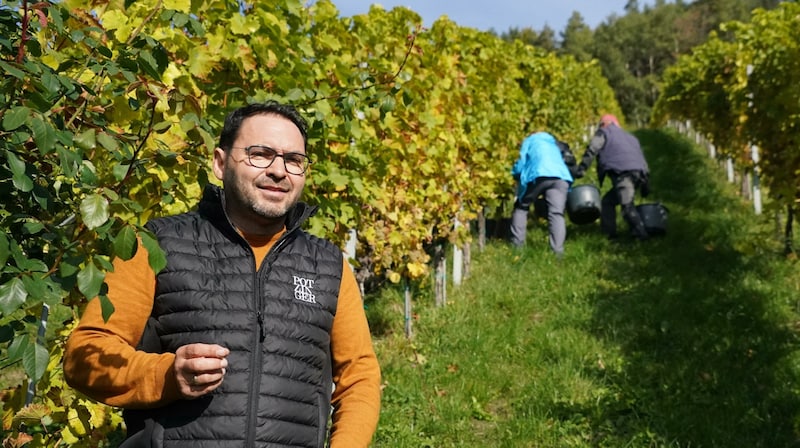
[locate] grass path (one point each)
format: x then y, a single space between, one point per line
689 340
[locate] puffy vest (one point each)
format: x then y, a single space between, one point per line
276 322
621 153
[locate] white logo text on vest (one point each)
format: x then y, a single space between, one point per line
302 289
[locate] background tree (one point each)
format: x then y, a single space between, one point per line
545 39
634 49
577 39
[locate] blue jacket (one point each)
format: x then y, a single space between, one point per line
539 156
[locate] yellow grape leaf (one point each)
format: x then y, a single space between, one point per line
12 400
270 20
33 412
179 5
242 26
114 19
416 269
396 238
68 437
244 55
75 424
98 414
170 74
338 148
201 61
53 59
119 21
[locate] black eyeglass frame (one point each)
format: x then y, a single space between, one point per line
272 154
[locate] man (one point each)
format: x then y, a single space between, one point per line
619 156
241 338
541 170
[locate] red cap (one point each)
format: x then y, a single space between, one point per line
607 119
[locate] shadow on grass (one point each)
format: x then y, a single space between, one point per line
708 358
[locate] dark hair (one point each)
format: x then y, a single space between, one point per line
234 121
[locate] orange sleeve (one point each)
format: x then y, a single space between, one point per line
356 373
100 358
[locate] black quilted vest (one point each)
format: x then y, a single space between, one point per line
621 153
276 322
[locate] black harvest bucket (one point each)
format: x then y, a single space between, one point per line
583 204
654 216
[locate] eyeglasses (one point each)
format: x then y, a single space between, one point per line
260 156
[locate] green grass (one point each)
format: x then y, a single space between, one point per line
689 340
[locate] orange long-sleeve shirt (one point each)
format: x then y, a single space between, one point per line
101 359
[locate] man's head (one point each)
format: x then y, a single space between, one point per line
262 162
608 119
234 120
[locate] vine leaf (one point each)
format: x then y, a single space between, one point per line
34 360
106 307
90 280
155 255
94 210
21 180
15 117
12 295
125 243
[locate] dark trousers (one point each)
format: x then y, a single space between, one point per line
622 193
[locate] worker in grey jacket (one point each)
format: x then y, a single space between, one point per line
619 156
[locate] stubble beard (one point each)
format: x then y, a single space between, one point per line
246 200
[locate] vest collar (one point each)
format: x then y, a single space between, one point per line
213 205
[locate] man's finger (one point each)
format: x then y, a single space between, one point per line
203 351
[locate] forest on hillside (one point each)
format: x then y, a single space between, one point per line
634 49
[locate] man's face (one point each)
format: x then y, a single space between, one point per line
257 199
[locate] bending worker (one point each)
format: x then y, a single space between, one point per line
619 156
541 170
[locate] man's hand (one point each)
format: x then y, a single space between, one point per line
199 368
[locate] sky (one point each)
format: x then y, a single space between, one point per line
499 15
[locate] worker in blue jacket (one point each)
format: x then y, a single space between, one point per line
541 170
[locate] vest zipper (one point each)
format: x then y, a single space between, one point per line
255 366
255 363
262 330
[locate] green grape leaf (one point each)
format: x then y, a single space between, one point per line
125 243
106 307
4 250
11 70
34 361
90 280
12 295
43 135
94 210
15 117
155 255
